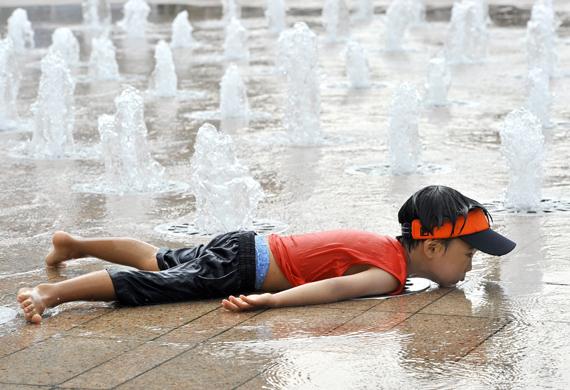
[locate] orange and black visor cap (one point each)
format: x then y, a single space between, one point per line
475 230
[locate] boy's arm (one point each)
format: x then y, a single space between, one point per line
373 281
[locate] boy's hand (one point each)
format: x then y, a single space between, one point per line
249 302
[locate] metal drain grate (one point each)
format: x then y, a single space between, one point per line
547 206
384 169
413 286
262 227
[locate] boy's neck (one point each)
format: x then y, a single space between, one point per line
415 260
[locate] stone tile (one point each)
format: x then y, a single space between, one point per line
19 334
225 361
205 327
58 359
444 338
353 304
371 321
144 322
132 363
289 322
410 303
207 366
10 386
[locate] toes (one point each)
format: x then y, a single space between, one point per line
36 318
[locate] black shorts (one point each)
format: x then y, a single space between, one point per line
226 265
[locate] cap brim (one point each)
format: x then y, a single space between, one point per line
490 242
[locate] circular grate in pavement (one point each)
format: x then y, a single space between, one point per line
384 169
262 227
547 206
413 286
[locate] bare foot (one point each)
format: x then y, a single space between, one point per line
32 304
63 249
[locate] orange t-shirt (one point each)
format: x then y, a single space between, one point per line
309 257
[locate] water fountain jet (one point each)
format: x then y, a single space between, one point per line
404 142
275 13
102 62
96 13
129 166
66 45
135 22
9 84
298 60
438 82
522 144
336 20
163 81
541 39
365 11
226 194
233 95
467 37
182 32
235 43
357 68
539 97
54 111
20 30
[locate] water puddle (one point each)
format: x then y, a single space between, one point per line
7 314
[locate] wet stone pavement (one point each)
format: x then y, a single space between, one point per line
507 326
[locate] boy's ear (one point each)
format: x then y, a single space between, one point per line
431 247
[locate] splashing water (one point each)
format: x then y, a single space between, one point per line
20 30
541 38
357 68
233 95
134 22
235 43
467 37
182 31
230 10
438 82
336 20
163 80
226 194
417 11
66 45
9 84
54 111
522 144
539 97
404 140
298 60
102 62
275 13
129 167
399 16
365 11
96 13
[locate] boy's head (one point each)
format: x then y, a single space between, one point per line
448 227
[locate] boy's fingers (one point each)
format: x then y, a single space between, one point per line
240 303
230 306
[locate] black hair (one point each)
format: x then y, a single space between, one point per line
433 206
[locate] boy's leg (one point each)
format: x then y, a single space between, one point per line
125 251
94 286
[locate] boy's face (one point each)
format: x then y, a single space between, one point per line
449 266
